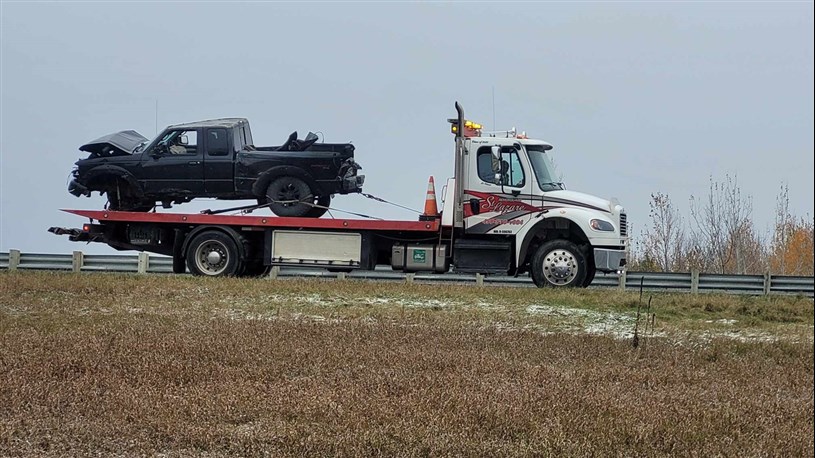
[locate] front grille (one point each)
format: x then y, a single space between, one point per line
623 225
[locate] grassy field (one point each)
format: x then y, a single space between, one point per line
101 364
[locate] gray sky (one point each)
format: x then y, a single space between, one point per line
636 97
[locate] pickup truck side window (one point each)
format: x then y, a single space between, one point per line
237 140
180 142
217 143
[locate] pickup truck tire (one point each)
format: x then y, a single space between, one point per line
316 212
121 198
559 263
213 254
283 191
125 205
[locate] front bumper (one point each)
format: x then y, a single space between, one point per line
77 189
609 260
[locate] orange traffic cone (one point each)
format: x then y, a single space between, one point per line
431 211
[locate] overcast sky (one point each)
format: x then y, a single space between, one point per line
636 97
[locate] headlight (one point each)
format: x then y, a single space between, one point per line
600 225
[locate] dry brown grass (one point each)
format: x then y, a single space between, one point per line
127 365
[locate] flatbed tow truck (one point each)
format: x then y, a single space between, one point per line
502 214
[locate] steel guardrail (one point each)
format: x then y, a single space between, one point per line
692 282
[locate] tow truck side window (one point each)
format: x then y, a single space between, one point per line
485 168
511 171
515 173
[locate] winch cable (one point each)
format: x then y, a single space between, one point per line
311 204
250 208
379 199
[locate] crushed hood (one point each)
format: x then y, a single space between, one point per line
125 142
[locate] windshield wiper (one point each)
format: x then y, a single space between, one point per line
558 185
140 147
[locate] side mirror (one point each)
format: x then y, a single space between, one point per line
496 152
183 140
158 151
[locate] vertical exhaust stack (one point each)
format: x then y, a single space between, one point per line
458 197
431 210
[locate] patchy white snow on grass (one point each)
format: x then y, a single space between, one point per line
560 318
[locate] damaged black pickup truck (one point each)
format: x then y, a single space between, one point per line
216 158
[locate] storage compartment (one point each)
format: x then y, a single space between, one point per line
317 249
419 257
482 256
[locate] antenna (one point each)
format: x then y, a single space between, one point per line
493 108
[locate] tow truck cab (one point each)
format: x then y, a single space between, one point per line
514 215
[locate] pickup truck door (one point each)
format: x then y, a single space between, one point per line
219 166
175 166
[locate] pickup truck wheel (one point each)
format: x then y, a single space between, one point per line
121 199
213 254
559 263
286 196
316 212
124 205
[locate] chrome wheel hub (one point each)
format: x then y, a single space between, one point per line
211 257
560 267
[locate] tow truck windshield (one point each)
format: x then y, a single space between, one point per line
543 167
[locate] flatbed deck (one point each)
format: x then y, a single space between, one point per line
259 221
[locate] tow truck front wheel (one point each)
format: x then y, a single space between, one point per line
213 254
559 263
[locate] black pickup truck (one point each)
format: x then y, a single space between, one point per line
216 158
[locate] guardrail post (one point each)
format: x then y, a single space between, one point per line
479 279
13 259
144 262
274 272
409 278
622 281
767 282
77 261
341 275
694 281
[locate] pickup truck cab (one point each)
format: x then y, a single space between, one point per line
216 159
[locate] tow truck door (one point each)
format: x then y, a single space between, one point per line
497 190
174 170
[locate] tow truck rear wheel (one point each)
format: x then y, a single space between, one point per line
213 254
559 263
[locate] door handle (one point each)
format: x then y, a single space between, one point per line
194 163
